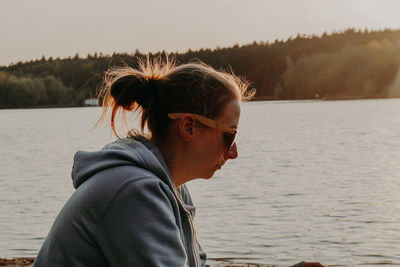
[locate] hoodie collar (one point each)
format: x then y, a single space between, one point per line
137 151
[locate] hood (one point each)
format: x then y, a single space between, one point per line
138 152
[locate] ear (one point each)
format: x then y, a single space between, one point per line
186 127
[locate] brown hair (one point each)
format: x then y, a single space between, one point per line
157 88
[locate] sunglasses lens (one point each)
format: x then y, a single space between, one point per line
229 139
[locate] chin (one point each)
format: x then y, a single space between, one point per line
210 175
207 176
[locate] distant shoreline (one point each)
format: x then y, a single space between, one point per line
28 261
257 99
351 64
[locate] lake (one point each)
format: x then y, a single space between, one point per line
314 181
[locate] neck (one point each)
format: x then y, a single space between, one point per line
174 159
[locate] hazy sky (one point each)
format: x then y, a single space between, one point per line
32 28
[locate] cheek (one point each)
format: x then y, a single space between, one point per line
210 148
217 143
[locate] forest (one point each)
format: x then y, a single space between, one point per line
352 64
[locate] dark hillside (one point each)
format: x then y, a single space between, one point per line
350 64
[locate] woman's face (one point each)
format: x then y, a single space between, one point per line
211 153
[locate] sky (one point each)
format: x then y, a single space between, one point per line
30 29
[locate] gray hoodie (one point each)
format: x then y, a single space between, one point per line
125 212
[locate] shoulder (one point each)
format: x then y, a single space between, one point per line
141 200
113 181
126 184
123 188
144 185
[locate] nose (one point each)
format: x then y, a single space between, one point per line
232 153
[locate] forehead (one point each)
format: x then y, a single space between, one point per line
230 114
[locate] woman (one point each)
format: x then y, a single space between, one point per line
131 207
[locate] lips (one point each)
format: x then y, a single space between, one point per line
219 166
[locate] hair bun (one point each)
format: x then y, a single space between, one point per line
129 89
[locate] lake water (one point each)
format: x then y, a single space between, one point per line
314 181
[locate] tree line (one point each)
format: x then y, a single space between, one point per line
339 65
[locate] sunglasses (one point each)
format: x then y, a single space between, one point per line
229 132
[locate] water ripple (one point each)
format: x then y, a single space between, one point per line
315 181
